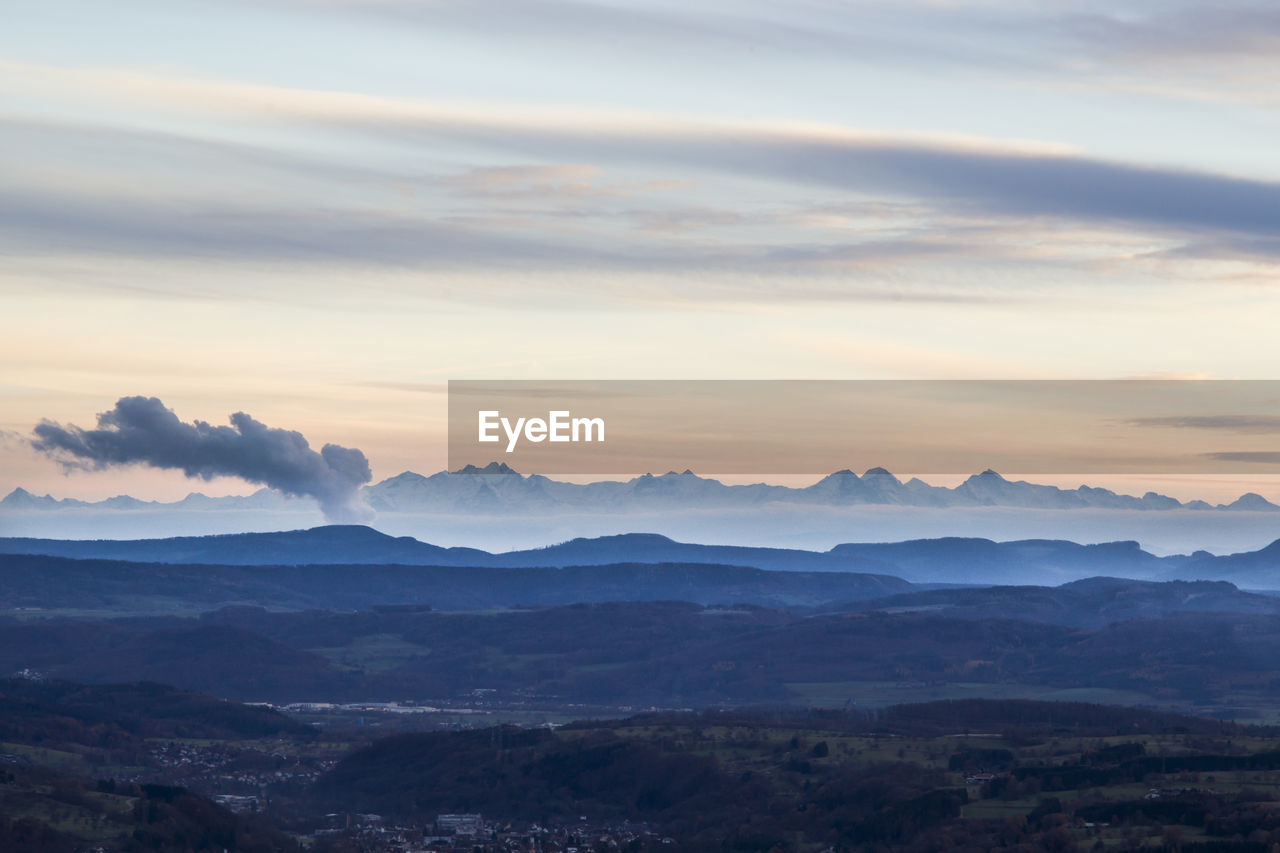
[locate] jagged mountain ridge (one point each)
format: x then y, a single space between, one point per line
496 488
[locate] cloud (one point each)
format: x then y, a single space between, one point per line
149 227
691 218
929 216
1264 456
1136 45
1217 30
1231 423
1010 183
1226 248
685 27
536 182
141 430
1015 178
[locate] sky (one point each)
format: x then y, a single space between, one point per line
319 211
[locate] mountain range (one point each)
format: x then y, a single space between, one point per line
496 488
948 560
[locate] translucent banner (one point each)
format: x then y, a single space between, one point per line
816 427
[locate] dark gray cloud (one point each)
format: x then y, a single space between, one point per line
141 430
1264 456
1229 423
1226 247
1008 183
962 179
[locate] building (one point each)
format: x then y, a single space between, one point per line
461 824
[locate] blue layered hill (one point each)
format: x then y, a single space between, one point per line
934 561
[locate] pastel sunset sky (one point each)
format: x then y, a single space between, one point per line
318 211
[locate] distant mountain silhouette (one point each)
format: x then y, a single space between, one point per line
331 544
496 488
950 560
359 545
1088 604
954 559
477 489
20 498
1254 569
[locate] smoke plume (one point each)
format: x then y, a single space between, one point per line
141 430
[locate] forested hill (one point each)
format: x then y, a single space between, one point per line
948 560
52 583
